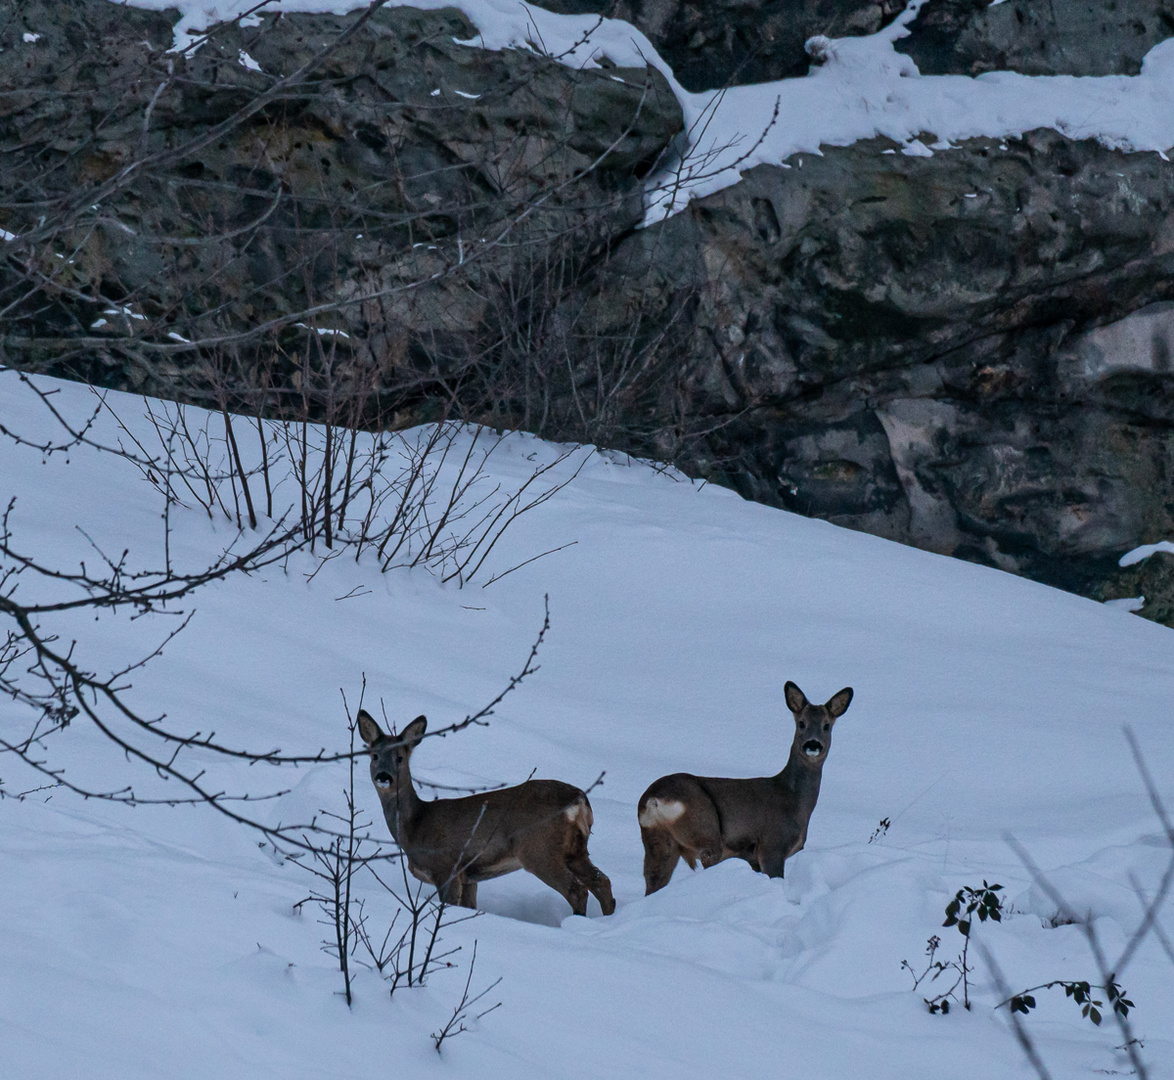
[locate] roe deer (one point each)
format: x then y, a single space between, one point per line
540 826
763 820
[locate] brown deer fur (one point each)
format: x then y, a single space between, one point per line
708 819
540 826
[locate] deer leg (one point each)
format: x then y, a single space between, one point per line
677 819
710 855
771 862
560 878
578 862
660 859
457 890
697 833
595 879
547 861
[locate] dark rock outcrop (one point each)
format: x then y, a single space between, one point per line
715 43
1152 579
188 209
969 352
1059 37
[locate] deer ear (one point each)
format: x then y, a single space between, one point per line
838 703
369 731
414 732
795 698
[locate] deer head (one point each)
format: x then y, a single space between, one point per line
814 723
390 761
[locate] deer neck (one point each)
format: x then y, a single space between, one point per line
402 810
803 778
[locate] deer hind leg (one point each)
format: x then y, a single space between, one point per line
579 863
577 859
555 873
558 857
677 820
596 881
699 838
661 853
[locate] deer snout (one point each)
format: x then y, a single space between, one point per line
383 780
813 748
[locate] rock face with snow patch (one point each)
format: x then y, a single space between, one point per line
715 43
970 351
199 195
1061 37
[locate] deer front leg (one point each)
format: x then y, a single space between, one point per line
771 861
458 890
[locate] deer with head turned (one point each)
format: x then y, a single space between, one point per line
540 826
763 820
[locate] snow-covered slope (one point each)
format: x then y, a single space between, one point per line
163 942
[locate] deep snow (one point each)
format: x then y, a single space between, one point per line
162 942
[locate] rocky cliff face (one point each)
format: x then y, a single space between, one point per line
716 43
972 352
167 199
969 352
1061 37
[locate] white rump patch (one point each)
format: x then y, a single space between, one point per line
660 812
579 814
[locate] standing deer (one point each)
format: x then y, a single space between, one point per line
762 820
540 826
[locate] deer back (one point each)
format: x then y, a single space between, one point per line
497 831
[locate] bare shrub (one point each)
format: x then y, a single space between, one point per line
1109 969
